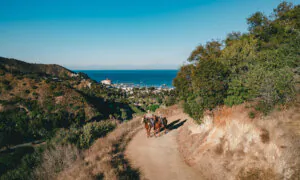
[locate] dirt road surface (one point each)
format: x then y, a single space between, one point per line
159 158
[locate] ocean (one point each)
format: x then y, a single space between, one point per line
155 78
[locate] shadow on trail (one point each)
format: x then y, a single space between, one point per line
175 124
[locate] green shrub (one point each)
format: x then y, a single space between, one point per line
8 87
171 100
58 93
94 130
11 160
53 86
153 107
76 107
35 94
237 92
251 115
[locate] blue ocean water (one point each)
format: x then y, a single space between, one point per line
137 77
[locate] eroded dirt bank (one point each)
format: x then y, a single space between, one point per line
230 145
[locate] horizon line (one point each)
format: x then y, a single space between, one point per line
120 69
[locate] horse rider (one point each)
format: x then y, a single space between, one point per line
160 117
150 117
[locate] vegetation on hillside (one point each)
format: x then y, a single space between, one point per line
48 103
261 65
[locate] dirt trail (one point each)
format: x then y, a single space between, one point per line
159 158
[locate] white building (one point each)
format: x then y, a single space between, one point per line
106 81
74 75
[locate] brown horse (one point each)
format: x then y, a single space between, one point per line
160 122
148 125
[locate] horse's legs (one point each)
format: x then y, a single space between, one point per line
165 129
158 130
146 128
155 130
148 134
149 131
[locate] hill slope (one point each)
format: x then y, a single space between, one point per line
13 65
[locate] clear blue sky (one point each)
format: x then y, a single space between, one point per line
117 34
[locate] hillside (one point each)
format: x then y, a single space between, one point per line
38 102
14 65
40 98
243 93
230 145
51 105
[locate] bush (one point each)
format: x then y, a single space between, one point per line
58 93
153 107
55 159
11 160
94 130
53 86
76 108
171 100
237 92
273 87
251 115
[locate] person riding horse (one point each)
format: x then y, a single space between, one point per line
156 122
150 117
161 122
149 121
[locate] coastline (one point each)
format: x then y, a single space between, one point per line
134 78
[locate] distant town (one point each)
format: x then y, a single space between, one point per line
128 87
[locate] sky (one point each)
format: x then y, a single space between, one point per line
118 34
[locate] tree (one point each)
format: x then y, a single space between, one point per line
183 81
232 37
209 83
282 8
256 22
211 50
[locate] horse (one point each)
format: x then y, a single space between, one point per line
160 122
148 125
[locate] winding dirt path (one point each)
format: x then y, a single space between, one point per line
159 158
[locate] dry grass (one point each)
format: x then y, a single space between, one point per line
105 159
222 115
231 145
168 111
256 174
55 160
